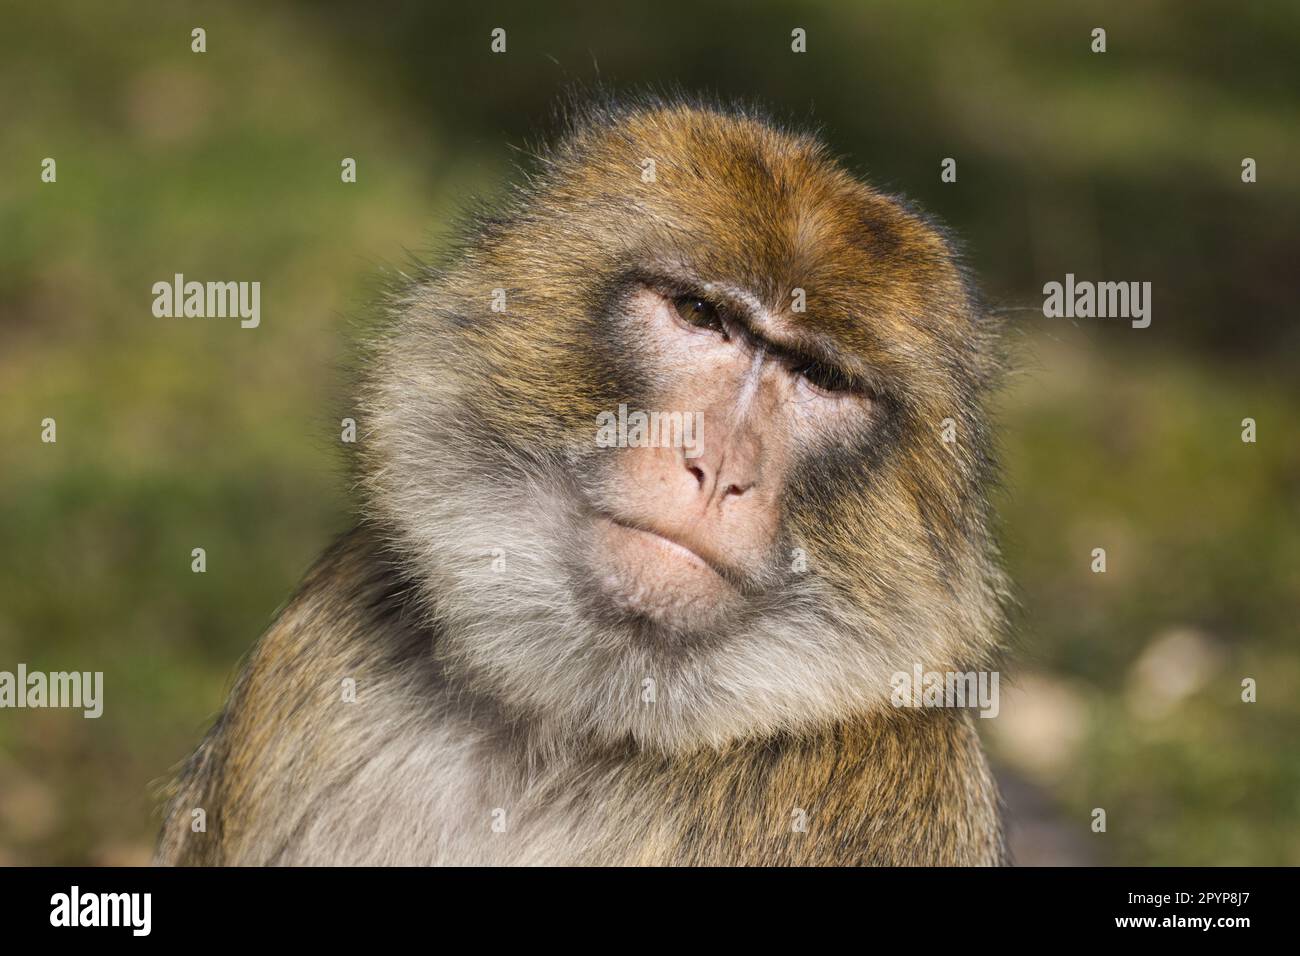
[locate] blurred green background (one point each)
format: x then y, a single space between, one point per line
225 165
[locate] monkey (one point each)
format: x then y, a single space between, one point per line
536 648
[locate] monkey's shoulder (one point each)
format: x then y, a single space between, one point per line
296 704
899 789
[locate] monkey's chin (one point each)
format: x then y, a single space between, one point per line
649 576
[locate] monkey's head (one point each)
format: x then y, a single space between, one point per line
688 444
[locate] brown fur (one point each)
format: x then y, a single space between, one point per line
481 693
901 789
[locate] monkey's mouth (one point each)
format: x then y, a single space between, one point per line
655 575
676 547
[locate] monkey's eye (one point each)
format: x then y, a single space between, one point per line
700 314
826 378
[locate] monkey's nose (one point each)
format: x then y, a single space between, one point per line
720 477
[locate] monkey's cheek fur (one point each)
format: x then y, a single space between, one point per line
646 574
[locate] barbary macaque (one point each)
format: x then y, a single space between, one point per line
540 648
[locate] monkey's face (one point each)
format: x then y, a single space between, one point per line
688 520
667 456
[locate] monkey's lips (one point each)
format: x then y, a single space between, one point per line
656 576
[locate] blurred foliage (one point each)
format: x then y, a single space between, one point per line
180 434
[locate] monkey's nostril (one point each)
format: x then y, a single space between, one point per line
733 490
698 473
